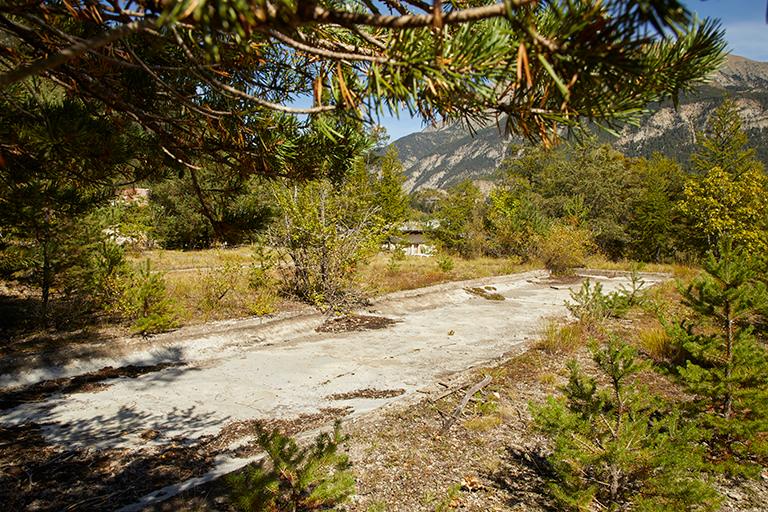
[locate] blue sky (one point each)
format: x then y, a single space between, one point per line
745 27
743 21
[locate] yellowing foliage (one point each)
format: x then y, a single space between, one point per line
723 205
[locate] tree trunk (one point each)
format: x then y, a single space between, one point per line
45 285
615 483
324 278
729 340
218 230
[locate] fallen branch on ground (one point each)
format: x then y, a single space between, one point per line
447 392
464 401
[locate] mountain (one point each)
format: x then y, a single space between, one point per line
441 156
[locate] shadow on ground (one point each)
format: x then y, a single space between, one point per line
36 475
524 474
88 382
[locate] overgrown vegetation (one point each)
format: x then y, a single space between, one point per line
559 207
198 102
615 445
725 198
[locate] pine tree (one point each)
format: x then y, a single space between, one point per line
654 220
206 75
728 367
297 478
52 175
615 448
146 303
723 143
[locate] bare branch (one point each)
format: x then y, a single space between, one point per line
369 38
326 53
345 18
215 114
73 51
463 403
242 94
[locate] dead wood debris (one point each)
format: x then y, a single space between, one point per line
464 401
367 393
351 323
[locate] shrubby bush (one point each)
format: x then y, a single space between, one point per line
323 236
564 247
262 281
444 262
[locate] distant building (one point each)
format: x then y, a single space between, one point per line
412 238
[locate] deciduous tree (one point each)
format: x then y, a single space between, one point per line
726 200
460 221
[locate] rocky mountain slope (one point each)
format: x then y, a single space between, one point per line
439 157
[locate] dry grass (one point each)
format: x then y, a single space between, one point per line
601 262
213 284
559 338
207 295
482 423
548 379
176 261
417 272
657 344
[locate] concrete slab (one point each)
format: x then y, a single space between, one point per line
286 369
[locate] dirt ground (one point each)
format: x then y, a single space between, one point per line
96 439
